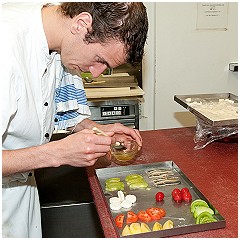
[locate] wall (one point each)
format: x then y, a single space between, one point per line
182 60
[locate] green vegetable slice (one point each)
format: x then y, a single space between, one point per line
201 209
133 176
135 180
114 186
205 217
197 203
112 180
138 185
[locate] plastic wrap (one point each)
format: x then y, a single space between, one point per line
206 133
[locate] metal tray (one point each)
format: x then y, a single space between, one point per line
181 99
179 213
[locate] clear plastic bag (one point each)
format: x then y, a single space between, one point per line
206 133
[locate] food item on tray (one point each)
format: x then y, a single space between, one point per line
126 204
159 196
115 206
156 213
114 200
183 190
201 209
186 196
176 195
138 185
114 186
110 180
143 216
132 198
205 217
168 224
151 214
202 212
119 220
145 228
135 228
136 181
131 217
197 203
121 195
126 231
157 226
162 177
224 109
183 194
133 176
116 203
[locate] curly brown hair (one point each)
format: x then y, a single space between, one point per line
123 21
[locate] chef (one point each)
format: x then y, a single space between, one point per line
41 45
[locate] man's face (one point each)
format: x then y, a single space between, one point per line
93 57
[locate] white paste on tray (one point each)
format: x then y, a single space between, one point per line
224 109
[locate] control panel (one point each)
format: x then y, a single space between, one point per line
109 111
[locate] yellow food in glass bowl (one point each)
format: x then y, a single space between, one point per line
127 152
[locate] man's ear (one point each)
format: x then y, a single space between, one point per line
81 21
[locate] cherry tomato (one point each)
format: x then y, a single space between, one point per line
143 216
183 190
159 196
177 197
131 217
176 191
119 220
186 196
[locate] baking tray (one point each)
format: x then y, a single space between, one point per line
179 213
207 98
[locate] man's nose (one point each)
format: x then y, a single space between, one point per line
97 70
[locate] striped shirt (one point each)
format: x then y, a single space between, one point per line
71 101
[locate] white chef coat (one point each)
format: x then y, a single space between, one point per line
28 109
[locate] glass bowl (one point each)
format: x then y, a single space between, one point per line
124 152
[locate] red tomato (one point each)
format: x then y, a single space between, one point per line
143 216
131 217
159 196
162 212
186 196
183 190
156 213
119 220
177 197
153 213
176 191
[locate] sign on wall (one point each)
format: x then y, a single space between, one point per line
212 16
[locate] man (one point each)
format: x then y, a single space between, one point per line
41 45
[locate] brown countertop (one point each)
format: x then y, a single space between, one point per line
213 170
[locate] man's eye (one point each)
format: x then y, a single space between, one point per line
99 60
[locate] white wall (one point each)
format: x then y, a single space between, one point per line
182 60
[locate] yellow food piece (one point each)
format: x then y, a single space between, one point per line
168 224
126 231
145 228
157 226
135 228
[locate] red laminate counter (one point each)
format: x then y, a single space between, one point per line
213 170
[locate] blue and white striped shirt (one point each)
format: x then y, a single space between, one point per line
71 101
